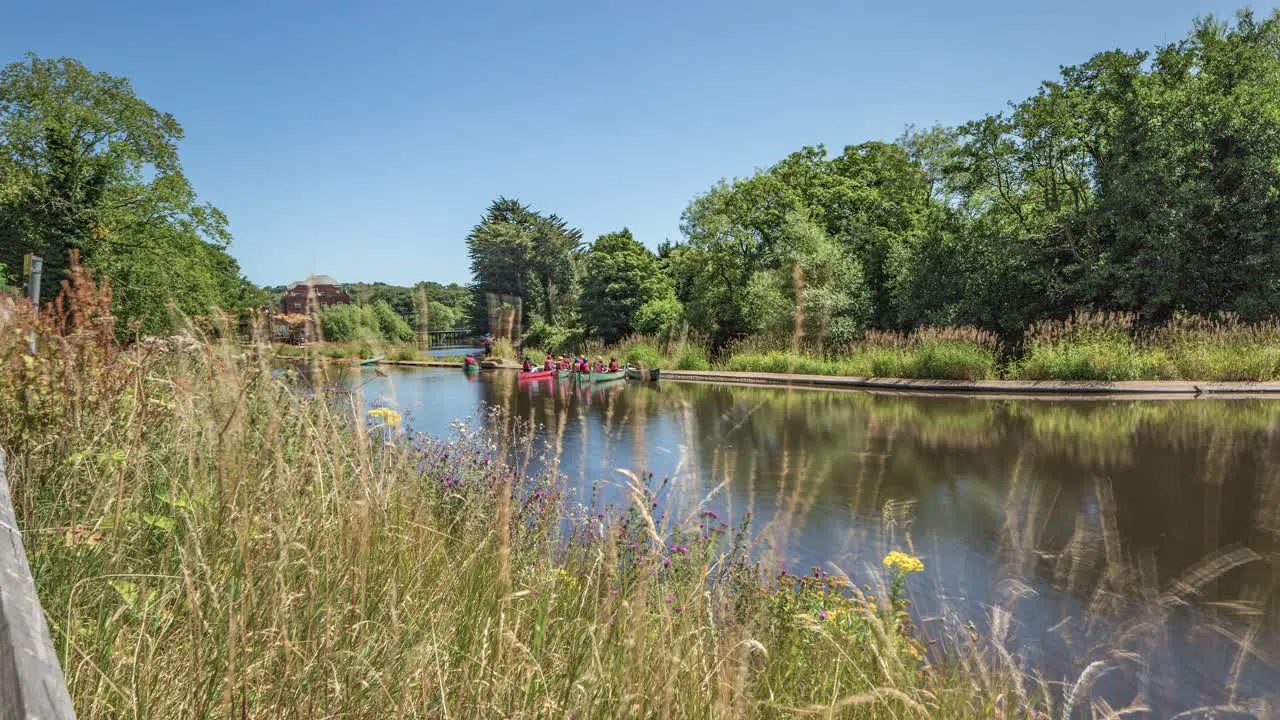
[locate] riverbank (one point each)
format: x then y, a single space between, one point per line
1022 388
1124 388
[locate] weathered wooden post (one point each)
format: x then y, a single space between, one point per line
31 682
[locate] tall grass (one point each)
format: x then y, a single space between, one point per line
210 538
213 538
940 353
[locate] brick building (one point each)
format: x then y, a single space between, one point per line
307 296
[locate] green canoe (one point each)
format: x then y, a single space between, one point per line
373 360
607 376
563 374
637 373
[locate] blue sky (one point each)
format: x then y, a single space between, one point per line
363 140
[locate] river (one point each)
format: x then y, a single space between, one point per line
1139 533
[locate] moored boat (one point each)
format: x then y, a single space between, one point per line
638 373
607 376
539 375
373 360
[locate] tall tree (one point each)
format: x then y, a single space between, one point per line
620 277
87 165
518 253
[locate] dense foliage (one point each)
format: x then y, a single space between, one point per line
621 276
518 254
364 323
1139 182
88 167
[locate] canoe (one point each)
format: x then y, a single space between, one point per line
372 360
607 376
540 375
639 373
471 368
563 374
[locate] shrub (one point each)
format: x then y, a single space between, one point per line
658 317
643 350
693 357
554 339
391 326
407 354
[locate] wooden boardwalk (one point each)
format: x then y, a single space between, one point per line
31 681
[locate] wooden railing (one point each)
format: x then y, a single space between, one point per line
31 682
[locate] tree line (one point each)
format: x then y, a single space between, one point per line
1139 181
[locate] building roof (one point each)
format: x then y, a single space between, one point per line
314 280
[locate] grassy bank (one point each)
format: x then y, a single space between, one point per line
1085 347
210 540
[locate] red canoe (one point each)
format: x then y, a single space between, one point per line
540 375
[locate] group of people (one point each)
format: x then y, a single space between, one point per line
581 364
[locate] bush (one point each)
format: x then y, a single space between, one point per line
643 354
407 354
371 324
658 317
391 326
555 339
503 350
693 357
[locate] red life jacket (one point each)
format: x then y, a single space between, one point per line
613 366
527 366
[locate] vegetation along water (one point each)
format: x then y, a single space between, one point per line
215 532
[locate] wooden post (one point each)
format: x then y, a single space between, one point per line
31 682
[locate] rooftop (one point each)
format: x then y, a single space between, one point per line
314 280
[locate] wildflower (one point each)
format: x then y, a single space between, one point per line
670 599
666 562
823 614
903 562
386 415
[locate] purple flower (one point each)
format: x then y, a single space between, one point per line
711 514
666 562
670 599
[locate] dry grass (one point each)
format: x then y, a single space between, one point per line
214 539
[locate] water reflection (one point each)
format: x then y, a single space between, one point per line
1100 520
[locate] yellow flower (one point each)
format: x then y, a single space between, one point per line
386 415
903 562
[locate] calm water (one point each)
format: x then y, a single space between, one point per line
1149 526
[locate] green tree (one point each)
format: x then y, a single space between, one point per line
86 165
518 253
620 277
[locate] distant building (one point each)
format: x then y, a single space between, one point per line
307 296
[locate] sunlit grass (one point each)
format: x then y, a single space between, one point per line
236 545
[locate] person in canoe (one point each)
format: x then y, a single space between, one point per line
528 366
584 366
548 364
613 365
469 362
